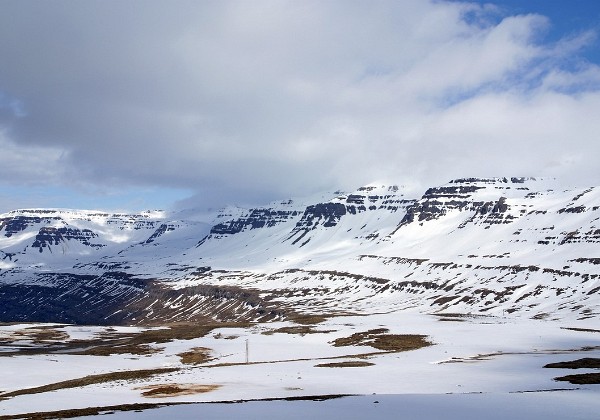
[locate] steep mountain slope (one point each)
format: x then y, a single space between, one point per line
494 246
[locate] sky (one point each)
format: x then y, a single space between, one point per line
130 105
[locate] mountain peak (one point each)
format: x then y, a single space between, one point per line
472 245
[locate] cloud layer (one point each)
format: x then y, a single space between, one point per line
248 101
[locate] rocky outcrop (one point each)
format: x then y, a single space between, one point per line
464 195
255 219
12 225
49 236
162 229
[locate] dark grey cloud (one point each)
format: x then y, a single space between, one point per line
247 101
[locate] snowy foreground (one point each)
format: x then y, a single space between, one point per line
477 367
580 405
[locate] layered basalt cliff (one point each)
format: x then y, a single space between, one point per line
519 246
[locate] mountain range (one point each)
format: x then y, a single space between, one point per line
477 246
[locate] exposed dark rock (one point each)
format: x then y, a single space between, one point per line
328 213
578 209
162 229
16 224
256 219
461 191
48 236
355 199
595 261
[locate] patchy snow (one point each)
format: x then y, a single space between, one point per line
499 357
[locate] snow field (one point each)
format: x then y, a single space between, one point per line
284 365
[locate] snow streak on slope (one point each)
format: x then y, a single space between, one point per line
496 245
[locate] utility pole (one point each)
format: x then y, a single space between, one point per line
246 351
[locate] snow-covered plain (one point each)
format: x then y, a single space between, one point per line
500 357
583 405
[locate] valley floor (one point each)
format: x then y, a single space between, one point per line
407 362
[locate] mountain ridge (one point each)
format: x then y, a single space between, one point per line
493 246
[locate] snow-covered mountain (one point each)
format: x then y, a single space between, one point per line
498 246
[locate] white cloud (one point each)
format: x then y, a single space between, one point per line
30 164
246 101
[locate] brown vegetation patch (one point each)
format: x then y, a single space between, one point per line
379 339
351 363
585 363
90 411
300 329
400 342
183 331
201 303
90 380
581 379
107 350
139 343
175 390
359 339
41 334
111 342
196 356
309 319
